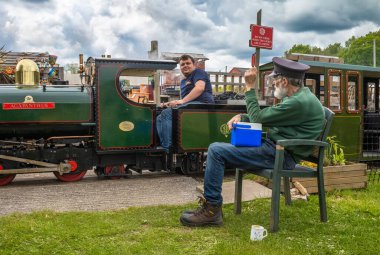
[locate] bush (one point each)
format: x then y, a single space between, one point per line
334 154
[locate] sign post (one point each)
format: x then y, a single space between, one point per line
261 37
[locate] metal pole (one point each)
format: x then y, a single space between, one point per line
157 86
374 52
257 59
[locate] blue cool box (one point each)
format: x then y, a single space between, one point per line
246 134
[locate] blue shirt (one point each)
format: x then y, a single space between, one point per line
188 84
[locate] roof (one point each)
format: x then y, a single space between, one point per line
12 58
158 64
269 65
240 69
341 66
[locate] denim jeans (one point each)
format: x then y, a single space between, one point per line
222 155
164 125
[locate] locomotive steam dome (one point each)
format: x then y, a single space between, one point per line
27 73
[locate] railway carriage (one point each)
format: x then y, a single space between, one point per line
352 92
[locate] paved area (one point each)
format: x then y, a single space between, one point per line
251 190
33 192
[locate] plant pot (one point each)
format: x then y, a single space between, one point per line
350 176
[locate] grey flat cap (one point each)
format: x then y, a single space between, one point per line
289 68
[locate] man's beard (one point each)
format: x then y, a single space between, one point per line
280 92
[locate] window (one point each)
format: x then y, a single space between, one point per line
311 84
335 90
137 85
371 103
322 89
267 93
353 92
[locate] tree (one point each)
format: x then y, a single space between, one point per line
73 68
349 41
304 49
299 48
360 50
333 50
357 51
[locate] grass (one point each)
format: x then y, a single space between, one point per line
353 228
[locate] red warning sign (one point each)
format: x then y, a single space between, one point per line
261 37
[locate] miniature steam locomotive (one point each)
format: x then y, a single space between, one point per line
69 129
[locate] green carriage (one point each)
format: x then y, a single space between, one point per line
352 92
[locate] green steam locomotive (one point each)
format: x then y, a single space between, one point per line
69 129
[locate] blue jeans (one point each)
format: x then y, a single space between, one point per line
222 155
164 125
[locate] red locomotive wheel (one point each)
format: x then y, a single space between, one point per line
114 170
6 178
70 177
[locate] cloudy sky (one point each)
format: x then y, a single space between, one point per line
217 28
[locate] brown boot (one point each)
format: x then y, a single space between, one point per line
201 201
205 215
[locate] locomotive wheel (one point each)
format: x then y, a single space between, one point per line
99 171
6 178
117 169
71 177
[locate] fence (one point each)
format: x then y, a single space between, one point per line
223 82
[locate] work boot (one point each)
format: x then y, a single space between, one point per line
205 215
201 201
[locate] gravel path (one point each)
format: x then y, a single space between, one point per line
33 192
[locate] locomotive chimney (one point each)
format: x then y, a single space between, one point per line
81 63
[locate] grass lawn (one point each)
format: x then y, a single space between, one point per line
353 228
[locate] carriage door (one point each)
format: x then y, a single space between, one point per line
371 130
343 97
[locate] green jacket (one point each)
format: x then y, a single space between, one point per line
300 116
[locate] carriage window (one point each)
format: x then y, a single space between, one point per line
335 83
311 84
353 99
267 95
371 104
322 89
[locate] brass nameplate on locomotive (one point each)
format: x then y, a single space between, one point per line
126 126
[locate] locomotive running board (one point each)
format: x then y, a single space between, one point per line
46 167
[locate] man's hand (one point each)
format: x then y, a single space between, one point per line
235 119
250 77
172 103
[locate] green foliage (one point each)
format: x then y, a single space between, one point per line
333 50
353 228
334 154
304 49
72 67
360 50
357 51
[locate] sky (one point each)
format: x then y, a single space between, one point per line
219 29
